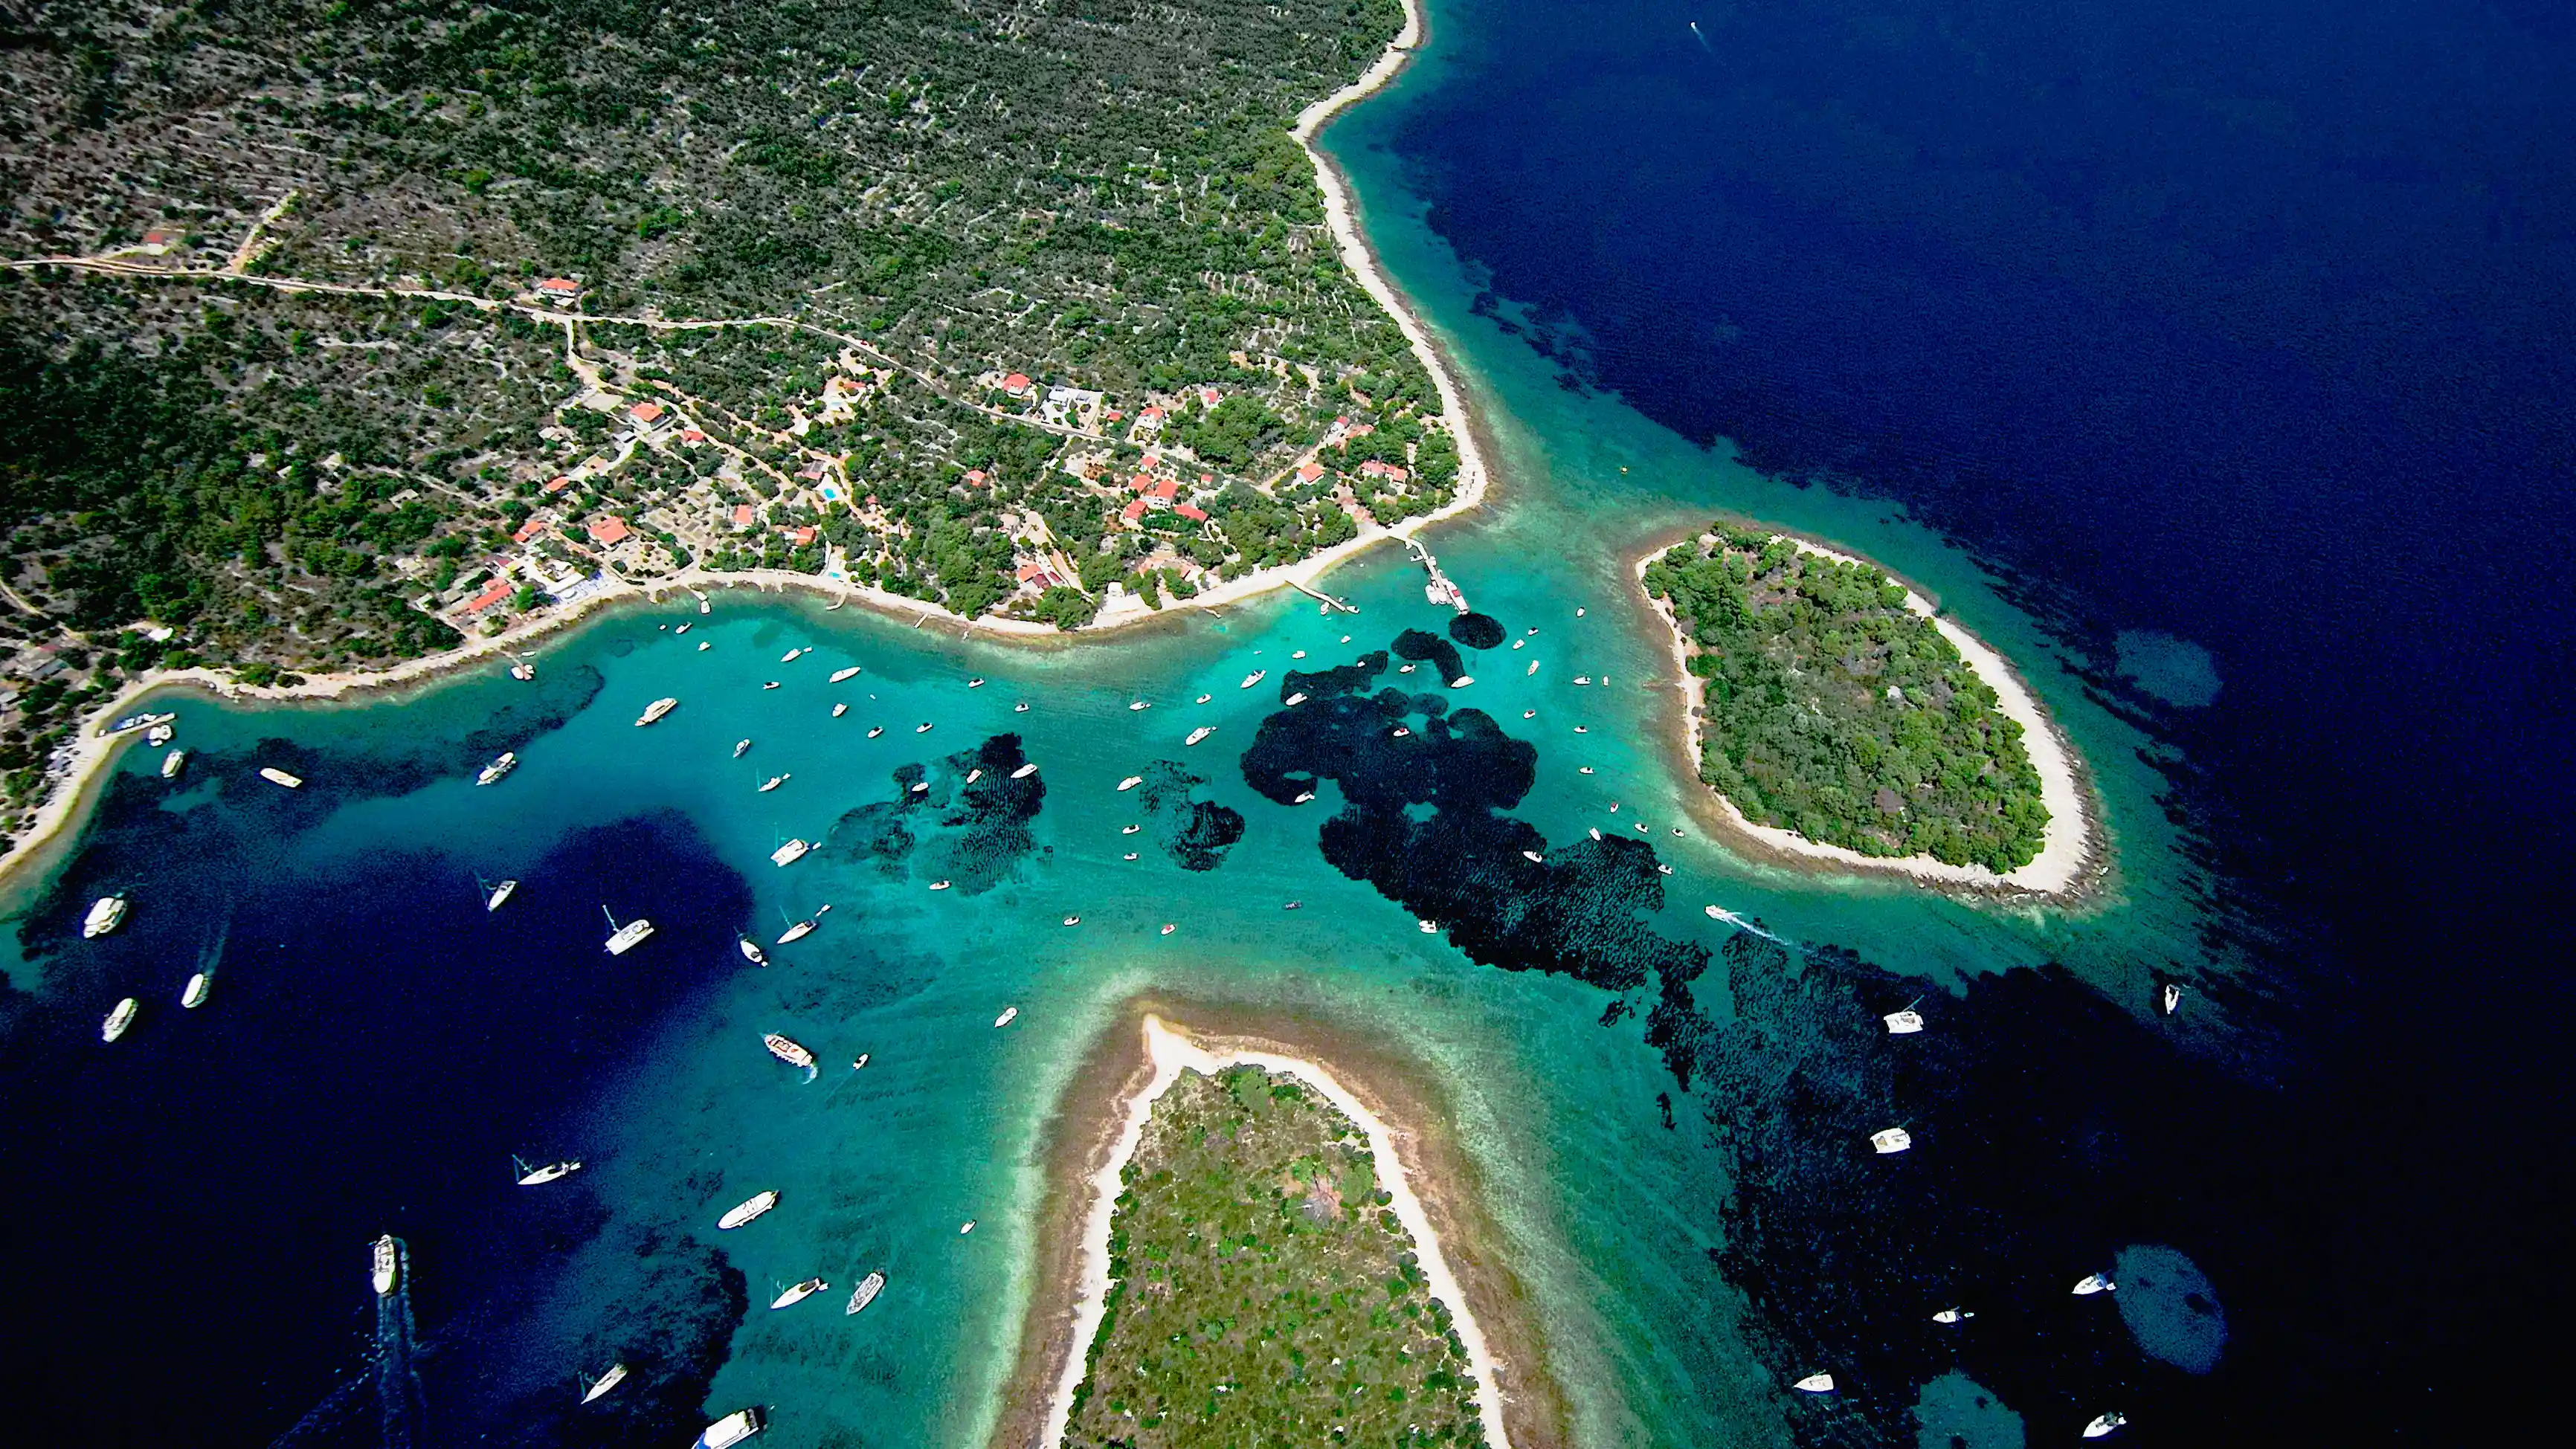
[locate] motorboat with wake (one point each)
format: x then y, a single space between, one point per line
790 1051
625 938
105 915
199 987
551 1172
118 1019
656 710
386 1268
866 1293
749 1208
501 765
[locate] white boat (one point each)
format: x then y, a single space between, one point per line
276 776
1406 668
1663 870
2092 1283
1533 857
1462 681
1021 708
1596 832
1134 705
1169 928
623 939
1583 679
1299 654
386 1268
500 893
840 674
1533 669
523 671
1401 732
799 1293
921 788
790 1051
704 607
1952 1315
105 915
1129 829
1202 699
194 994
878 730
974 775
1892 1139
1009 1014
774 781
1903 1023
1520 643
1302 797
1131 855
1429 928
965 1227
119 1019
2173 997
1529 714
1255 677
749 1208
1583 729
790 853
1815 1384
974 684
1024 771
1131 782
1586 769
704 645
859 1063
2104 1425
616 1372
502 764
1298 698
1202 732
741 748
866 1293
159 735
790 656
551 1172
172 763
683 629
657 708
732 1429
839 710
939 885
1073 920
922 728
799 931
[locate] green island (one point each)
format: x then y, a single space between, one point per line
1832 710
334 333
1261 1292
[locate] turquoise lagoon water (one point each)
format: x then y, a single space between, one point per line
378 1049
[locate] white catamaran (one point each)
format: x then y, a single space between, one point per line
623 939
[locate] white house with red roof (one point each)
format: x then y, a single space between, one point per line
558 289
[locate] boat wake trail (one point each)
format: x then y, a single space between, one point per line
1742 923
398 1391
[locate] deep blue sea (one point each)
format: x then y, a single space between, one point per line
2209 360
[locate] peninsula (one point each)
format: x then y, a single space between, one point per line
1058 324
1241 1248
1838 719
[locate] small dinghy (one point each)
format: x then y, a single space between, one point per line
1073 920
1169 928
1815 1384
1137 704
1202 699
1892 1139
2092 1283
2104 1425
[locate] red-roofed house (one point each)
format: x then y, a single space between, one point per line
692 436
1141 483
1167 490
743 517
492 597
1388 471
1310 472
559 289
798 536
645 414
557 485
1133 511
1017 384
1190 511
975 478
528 530
609 532
1209 397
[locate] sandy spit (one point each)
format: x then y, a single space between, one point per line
2074 848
